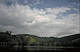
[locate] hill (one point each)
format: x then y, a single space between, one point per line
70 38
31 40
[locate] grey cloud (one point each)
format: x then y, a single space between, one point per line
23 19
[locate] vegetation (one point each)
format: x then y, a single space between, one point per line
6 38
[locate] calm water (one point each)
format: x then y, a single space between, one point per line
41 48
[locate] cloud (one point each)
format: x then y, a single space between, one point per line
25 1
57 10
8 0
36 3
40 22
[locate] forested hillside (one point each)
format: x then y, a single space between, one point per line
6 38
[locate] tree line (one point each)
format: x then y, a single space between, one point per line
6 38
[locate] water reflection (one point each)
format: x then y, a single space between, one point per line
38 48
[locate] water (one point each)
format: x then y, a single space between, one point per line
40 48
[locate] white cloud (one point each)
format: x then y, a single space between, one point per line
57 10
43 22
26 1
36 3
42 18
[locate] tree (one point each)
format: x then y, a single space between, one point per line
8 32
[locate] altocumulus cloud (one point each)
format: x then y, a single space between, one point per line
40 22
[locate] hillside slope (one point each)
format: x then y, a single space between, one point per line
32 40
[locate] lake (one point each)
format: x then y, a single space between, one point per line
40 48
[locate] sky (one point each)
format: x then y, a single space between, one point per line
44 18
